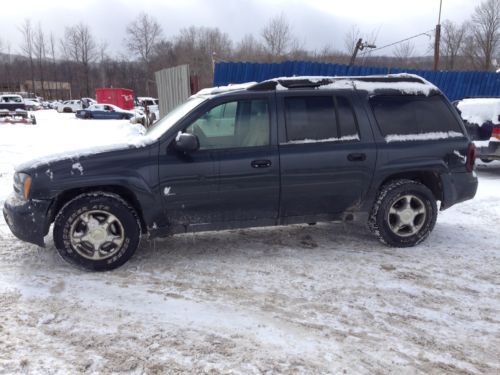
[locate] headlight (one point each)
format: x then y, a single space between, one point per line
22 184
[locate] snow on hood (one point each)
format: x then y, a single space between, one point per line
76 142
480 110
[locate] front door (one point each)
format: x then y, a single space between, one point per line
234 176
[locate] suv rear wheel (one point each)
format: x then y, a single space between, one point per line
404 213
97 231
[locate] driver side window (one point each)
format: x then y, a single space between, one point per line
243 123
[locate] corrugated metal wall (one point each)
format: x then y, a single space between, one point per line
173 87
455 85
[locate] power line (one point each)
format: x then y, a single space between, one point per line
399 41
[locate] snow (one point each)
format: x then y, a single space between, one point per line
300 299
345 138
78 167
480 110
422 136
74 138
338 82
221 89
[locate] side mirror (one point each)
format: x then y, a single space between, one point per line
187 142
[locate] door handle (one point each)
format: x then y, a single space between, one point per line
261 163
356 157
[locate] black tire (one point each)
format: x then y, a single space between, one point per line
109 216
404 213
486 160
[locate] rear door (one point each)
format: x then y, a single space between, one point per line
327 153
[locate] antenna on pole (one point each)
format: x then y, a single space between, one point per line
359 47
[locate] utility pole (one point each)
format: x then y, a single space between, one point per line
437 38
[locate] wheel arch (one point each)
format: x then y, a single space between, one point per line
122 192
431 179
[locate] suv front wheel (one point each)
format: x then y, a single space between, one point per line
97 231
404 213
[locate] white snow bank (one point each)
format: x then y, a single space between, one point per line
422 136
480 110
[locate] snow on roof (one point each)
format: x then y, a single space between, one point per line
406 83
480 110
221 89
409 88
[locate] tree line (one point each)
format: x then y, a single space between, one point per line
78 58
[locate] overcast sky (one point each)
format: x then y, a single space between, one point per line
316 23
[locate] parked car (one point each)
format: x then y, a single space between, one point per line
482 119
32 104
384 149
69 106
104 112
13 110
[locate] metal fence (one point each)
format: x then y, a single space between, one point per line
455 85
173 87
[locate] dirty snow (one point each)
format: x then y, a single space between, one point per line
301 299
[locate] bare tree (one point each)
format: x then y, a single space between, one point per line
249 49
278 37
452 42
27 47
52 49
40 52
79 46
142 35
351 38
485 33
404 52
200 47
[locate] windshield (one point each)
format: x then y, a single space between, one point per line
172 117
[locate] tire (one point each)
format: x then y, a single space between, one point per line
486 160
97 231
404 213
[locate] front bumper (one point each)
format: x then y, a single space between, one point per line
28 220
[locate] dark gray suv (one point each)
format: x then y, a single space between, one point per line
384 149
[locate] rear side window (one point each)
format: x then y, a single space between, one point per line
319 118
405 115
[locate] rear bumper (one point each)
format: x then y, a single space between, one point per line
28 220
490 152
458 187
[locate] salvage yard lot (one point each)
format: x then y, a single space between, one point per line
298 299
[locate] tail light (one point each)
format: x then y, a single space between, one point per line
495 132
471 157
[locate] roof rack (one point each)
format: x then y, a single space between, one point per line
314 82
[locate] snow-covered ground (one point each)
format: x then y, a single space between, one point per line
298 299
